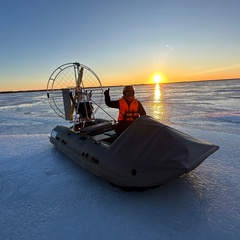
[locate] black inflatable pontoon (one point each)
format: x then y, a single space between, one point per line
148 153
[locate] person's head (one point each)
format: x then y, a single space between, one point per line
128 92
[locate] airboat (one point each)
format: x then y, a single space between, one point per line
147 154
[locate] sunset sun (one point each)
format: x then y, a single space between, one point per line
157 79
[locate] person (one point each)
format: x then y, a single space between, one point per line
129 107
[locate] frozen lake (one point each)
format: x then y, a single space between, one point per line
46 195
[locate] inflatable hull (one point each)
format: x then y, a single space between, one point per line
147 154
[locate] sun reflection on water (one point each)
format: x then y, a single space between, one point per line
157 96
158 107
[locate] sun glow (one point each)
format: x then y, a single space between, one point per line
157 79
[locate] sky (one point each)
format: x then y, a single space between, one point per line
123 42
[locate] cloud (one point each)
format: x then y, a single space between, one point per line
214 70
169 47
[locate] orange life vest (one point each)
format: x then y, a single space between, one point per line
128 112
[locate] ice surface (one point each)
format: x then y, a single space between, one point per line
46 195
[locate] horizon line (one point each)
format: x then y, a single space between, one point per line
191 81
